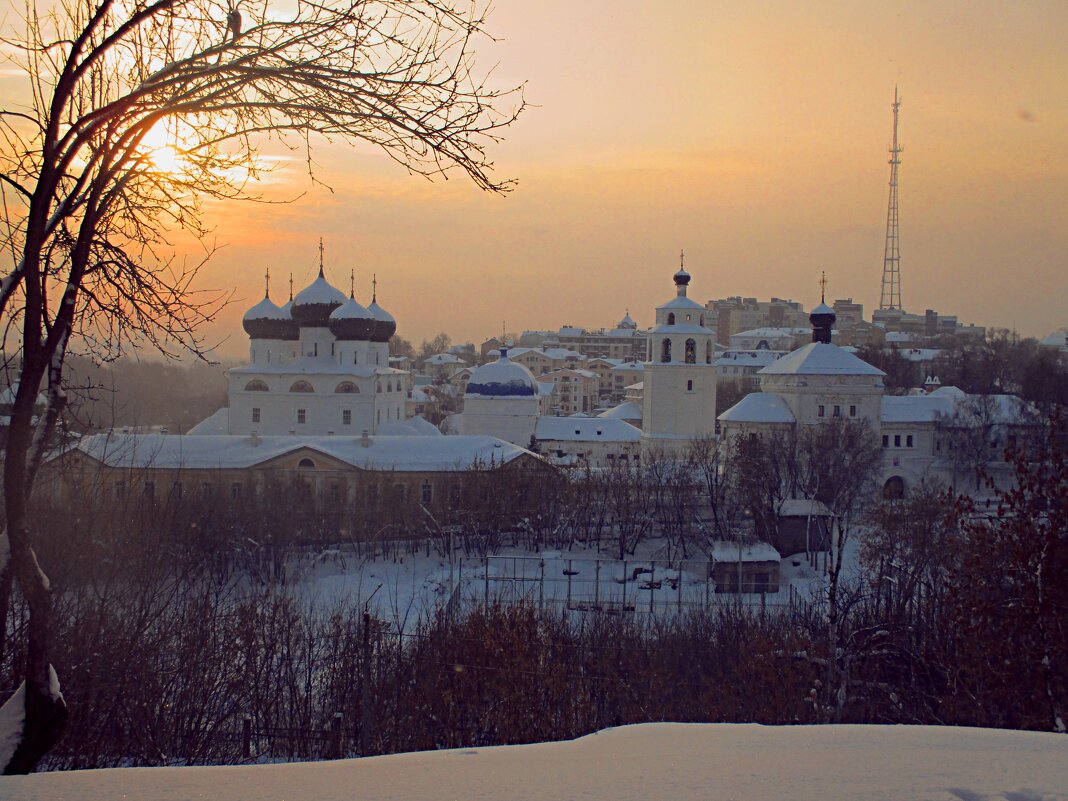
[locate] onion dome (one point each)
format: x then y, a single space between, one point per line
822 319
351 320
313 304
502 379
386 325
267 321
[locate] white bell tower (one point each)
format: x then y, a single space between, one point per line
679 394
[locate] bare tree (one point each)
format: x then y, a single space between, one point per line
137 113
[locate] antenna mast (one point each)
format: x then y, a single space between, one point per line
891 294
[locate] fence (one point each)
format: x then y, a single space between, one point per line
598 585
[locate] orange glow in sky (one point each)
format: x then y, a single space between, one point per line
753 135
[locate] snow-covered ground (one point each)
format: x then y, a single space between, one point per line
400 591
674 761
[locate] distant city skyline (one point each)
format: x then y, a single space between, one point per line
752 136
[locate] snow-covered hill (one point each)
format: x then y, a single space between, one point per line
671 761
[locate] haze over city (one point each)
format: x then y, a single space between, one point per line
754 137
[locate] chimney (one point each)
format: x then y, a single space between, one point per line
365 439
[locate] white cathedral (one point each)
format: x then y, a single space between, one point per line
318 365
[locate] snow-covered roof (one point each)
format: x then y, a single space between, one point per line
319 291
218 423
351 309
418 453
626 322
585 429
379 313
500 379
628 410
820 358
681 302
726 551
630 367
919 354
266 310
416 427
555 354
915 408
571 331
1058 339
749 358
803 507
444 358
899 336
758 407
822 310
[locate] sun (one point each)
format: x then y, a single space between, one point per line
161 146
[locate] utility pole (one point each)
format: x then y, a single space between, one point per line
891 294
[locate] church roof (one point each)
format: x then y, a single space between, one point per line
319 291
266 310
820 358
682 302
758 407
398 453
351 309
501 379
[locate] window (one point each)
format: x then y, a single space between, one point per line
149 490
205 490
255 414
301 386
235 490
302 416
347 388
897 440
689 386
426 493
120 489
316 351
852 411
691 352
665 350
886 440
372 495
454 494
255 385
335 492
306 464
671 318
708 352
908 441
821 411
346 417
837 411
176 490
378 387
688 318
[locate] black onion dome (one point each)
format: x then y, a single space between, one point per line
386 325
313 305
352 321
267 321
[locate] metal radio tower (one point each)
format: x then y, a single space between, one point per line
891 296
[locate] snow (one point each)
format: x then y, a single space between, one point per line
677 761
759 407
319 291
820 358
351 309
502 378
217 423
803 507
748 358
628 410
682 302
725 551
265 310
915 408
12 716
572 429
380 314
401 453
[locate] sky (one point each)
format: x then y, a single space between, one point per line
751 135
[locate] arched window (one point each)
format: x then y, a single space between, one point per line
708 352
378 387
701 320
691 352
665 350
306 464
671 318
347 388
301 386
255 385
389 386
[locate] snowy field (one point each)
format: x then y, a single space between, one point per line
671 761
401 591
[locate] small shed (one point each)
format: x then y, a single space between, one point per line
755 566
804 527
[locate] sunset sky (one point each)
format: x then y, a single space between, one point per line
753 135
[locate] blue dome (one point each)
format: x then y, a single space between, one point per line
502 379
